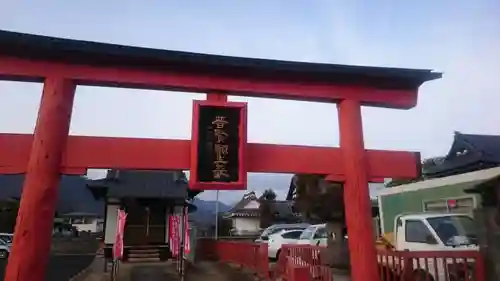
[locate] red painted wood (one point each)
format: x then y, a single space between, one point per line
215 96
84 152
242 159
300 273
267 87
381 161
33 231
356 194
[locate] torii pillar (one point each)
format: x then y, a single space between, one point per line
356 194
41 186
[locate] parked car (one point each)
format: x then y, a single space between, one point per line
4 249
7 237
315 235
279 227
276 240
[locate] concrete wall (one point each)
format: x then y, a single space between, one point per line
246 225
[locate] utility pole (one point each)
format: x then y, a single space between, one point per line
182 262
217 215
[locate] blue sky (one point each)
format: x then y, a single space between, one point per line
459 37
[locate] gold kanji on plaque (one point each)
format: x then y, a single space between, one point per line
219 122
220 135
221 150
220 170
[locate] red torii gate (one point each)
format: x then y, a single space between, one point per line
62 64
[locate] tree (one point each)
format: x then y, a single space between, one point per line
321 201
266 210
317 199
269 195
8 214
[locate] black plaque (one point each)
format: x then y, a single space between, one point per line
218 143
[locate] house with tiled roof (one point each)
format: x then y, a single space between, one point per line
471 161
246 215
468 153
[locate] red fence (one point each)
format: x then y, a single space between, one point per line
303 263
432 266
301 258
251 256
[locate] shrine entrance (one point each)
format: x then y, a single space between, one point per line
146 222
62 64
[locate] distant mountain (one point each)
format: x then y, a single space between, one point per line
205 214
73 194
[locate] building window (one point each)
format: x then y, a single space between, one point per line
458 205
435 206
416 232
292 235
321 233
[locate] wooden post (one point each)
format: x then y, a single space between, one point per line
215 96
33 232
356 194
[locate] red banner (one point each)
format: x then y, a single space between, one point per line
174 234
174 238
120 228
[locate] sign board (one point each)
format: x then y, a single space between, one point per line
120 228
219 139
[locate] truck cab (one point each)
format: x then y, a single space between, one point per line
434 232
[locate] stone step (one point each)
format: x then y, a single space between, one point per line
143 251
143 255
138 260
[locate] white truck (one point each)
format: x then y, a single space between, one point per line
423 232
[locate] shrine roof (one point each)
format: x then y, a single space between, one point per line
141 184
78 51
80 214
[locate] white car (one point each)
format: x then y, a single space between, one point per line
315 235
4 250
275 241
7 237
275 228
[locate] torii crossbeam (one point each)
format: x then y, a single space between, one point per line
62 64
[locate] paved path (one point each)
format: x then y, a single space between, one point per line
202 271
60 268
